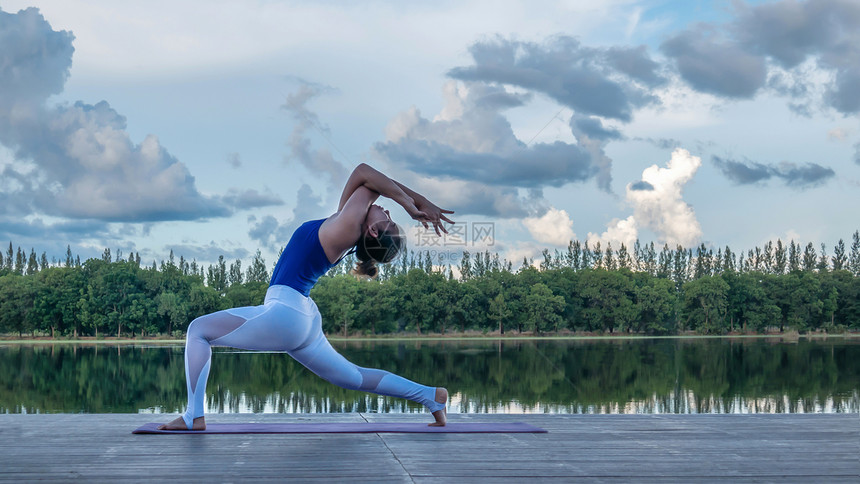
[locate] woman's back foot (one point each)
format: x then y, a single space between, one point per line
441 416
179 424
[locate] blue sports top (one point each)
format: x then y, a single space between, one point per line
303 260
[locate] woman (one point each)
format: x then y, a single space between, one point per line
289 319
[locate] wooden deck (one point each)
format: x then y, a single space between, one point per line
578 448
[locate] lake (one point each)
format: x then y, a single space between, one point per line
671 375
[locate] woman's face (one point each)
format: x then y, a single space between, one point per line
377 220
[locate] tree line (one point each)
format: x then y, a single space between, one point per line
587 288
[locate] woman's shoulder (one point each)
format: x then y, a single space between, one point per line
337 235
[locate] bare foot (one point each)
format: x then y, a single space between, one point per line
441 416
179 424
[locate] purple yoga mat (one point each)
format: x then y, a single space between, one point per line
337 428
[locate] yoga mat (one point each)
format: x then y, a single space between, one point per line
337 428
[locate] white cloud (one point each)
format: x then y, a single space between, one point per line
662 208
471 120
87 164
455 93
618 232
554 227
472 147
520 250
658 204
317 161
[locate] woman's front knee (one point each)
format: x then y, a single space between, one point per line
195 329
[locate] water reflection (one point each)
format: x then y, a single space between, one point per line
524 376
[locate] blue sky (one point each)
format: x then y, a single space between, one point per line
215 128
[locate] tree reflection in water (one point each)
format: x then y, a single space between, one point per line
484 376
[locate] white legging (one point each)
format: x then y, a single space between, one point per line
287 321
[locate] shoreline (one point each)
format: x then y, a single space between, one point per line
456 337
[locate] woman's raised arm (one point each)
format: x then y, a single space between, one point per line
415 204
365 175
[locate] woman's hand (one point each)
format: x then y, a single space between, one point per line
430 213
412 209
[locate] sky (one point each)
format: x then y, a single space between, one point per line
216 128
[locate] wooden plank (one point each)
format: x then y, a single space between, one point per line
593 448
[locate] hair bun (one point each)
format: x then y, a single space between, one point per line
366 268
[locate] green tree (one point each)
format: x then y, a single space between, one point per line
447 294
142 315
10 253
172 308
417 293
376 308
805 304
574 253
239 295
847 313
705 304
585 259
20 262
840 260
17 297
823 261
234 277
607 300
499 311
216 276
543 308
853 260
780 258
655 301
729 261
624 260
107 297
465 266
809 258
257 270
597 256
767 258
794 256
201 300
69 259
336 298
56 302
699 268
563 282
609 261
464 306
679 266
750 305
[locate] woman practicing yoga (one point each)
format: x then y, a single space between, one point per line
289 319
